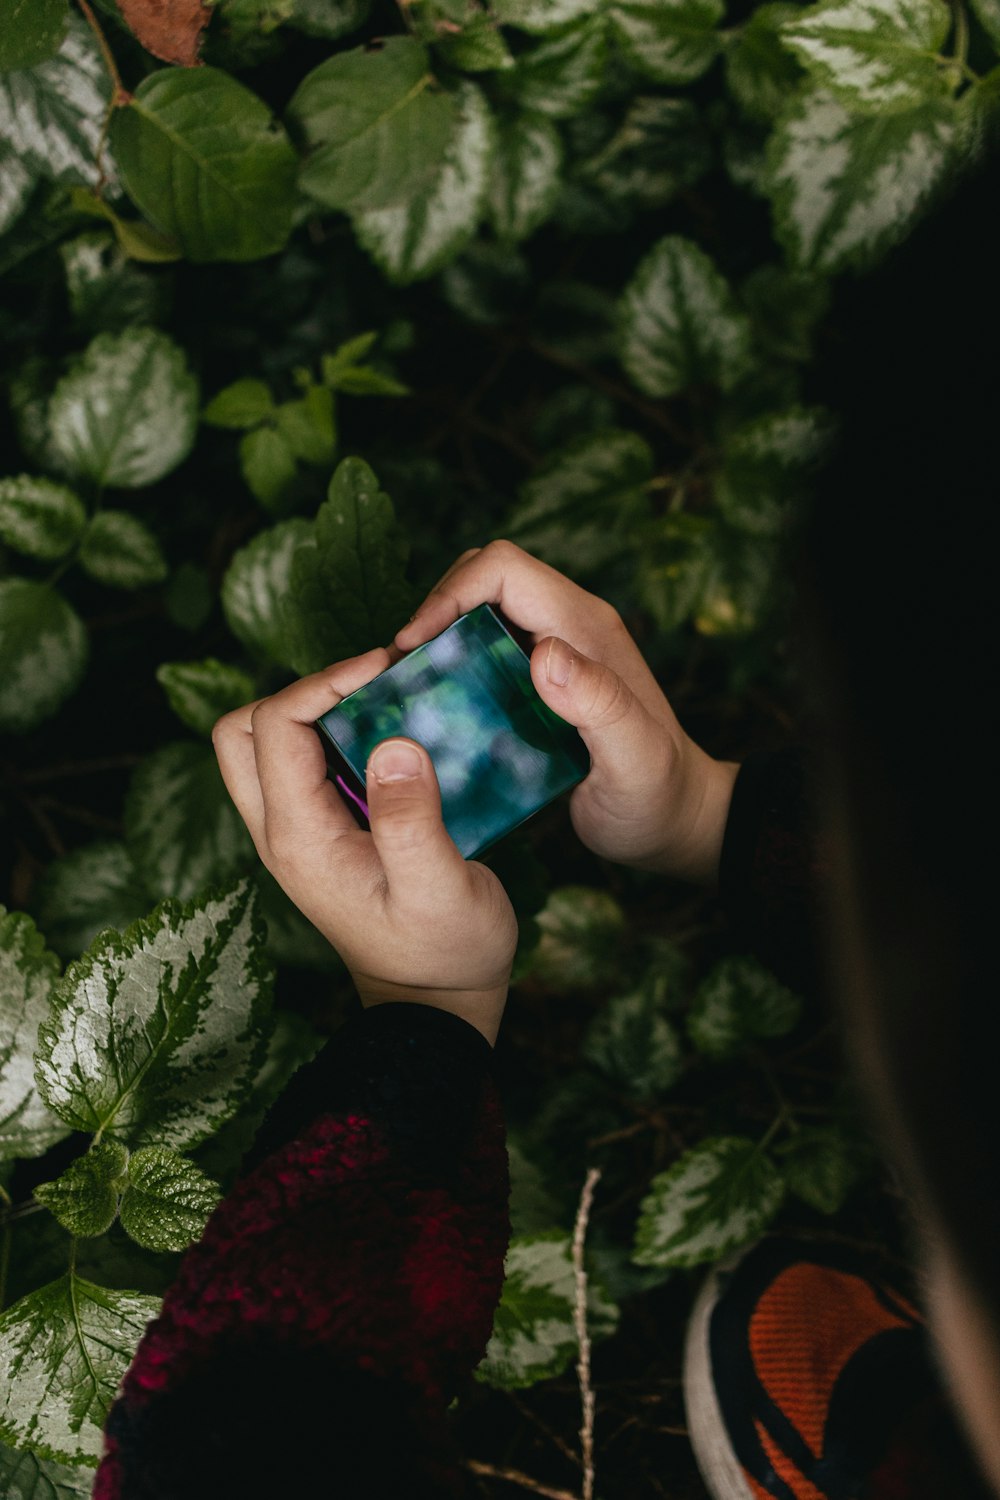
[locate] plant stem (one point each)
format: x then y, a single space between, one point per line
121 94
582 1336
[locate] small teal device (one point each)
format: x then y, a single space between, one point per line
500 753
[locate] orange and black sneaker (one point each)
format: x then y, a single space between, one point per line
805 1378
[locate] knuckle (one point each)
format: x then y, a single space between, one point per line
505 550
611 699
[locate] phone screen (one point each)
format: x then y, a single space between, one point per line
500 753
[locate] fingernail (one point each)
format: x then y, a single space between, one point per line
558 662
395 761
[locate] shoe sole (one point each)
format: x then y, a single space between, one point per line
717 1462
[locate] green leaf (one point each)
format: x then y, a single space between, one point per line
307 426
85 891
846 187
328 18
541 16
39 518
349 589
987 13
25 1477
586 502
202 691
562 75
680 325
671 41
785 307
362 380
203 159
30 31
718 1196
127 412
267 465
120 550
767 465
533 1209
739 1000
44 648
65 1348
534 1336
17 184
27 973
52 115
660 146
635 1046
820 1165
478 48
258 581
181 827
85 1198
168 1199
242 404
525 177
413 239
157 1032
106 290
875 55
376 125
582 930
760 73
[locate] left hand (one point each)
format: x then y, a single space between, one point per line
411 918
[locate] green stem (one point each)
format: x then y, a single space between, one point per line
961 34
780 1119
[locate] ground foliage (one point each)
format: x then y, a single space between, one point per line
299 298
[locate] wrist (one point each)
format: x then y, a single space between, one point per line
481 1008
695 847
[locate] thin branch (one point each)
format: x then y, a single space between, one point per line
582 1336
514 1476
120 95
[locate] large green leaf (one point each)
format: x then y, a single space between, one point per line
258 581
846 187
671 41
168 1199
525 177
680 325
127 412
876 55
39 518
27 973
88 889
52 115
412 239
767 465
203 159
376 124
718 1196
201 691
85 1198
65 1348
23 1476
44 648
181 827
737 1002
156 1033
30 31
120 550
534 1335
349 591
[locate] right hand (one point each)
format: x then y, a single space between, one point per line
652 798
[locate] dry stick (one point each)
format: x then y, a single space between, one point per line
514 1476
582 1336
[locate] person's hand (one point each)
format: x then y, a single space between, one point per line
411 918
652 799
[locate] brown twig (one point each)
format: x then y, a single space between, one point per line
532 1416
582 1336
514 1476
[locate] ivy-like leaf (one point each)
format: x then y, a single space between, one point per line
349 589
28 970
52 115
168 1199
107 290
414 239
671 41
201 691
875 55
739 1000
23 1476
258 581
563 74
376 125
65 1349
181 827
660 146
85 1198
127 412
243 404
846 187
87 890
582 930
680 325
534 1336
202 158
525 178
767 465
44 648
478 48
30 31
760 72
820 1165
39 518
120 550
718 1196
157 1032
634 1045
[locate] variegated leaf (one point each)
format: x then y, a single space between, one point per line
156 1034
40 518
525 177
257 581
767 464
27 973
85 1198
540 16
876 55
168 1199
52 115
201 691
581 930
820 1165
562 74
120 550
17 183
23 1476
718 1196
737 1001
670 41
634 1045
88 889
44 649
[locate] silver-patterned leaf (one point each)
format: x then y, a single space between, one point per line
876 55
157 1033
820 1165
256 583
17 183
120 550
23 1476
412 240
86 890
127 412
201 691
525 178
181 827
52 115
534 1336
718 1196
327 18
28 970
65 1349
562 74
540 16
40 518
582 929
671 41
85 1198
168 1199
760 72
44 649
767 465
737 1001
680 325
634 1045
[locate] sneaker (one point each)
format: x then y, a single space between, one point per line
805 1378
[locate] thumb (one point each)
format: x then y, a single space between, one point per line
418 855
612 721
